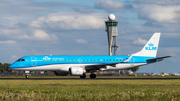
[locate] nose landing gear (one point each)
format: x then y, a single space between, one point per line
27 76
27 73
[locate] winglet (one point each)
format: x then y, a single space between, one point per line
129 58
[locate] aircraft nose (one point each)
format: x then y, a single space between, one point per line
12 66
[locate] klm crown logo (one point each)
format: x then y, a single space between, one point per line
151 47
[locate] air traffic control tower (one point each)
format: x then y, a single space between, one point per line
111 28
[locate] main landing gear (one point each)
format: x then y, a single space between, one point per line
83 76
92 76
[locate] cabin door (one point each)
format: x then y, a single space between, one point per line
33 61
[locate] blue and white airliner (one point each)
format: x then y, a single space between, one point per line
80 65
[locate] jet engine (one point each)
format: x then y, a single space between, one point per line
60 73
76 71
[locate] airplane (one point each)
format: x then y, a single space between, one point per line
80 65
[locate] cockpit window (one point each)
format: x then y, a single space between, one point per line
21 60
18 60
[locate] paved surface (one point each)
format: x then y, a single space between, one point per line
88 79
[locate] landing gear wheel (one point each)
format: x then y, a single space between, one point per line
27 76
83 76
93 76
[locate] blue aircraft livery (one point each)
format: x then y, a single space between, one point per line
80 65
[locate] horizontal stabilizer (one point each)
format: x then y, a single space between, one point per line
158 58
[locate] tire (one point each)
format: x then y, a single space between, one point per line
93 76
27 76
83 76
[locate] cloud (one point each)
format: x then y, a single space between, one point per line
21 24
29 6
151 24
81 41
10 31
14 56
171 35
171 51
159 2
83 10
8 42
109 5
140 41
39 35
70 20
158 13
22 12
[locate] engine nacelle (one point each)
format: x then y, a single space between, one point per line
60 73
76 71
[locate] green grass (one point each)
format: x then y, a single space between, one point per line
94 90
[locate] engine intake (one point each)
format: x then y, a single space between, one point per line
76 71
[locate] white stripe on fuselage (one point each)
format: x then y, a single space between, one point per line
65 67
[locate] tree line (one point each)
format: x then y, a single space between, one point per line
4 67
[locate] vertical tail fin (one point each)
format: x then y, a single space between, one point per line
151 47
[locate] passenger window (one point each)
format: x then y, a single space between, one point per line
54 60
83 60
107 59
94 60
97 59
43 60
110 60
104 59
120 59
101 59
87 60
72 60
113 60
116 59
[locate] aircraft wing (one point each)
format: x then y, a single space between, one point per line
98 66
158 58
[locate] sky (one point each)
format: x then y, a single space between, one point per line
76 27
